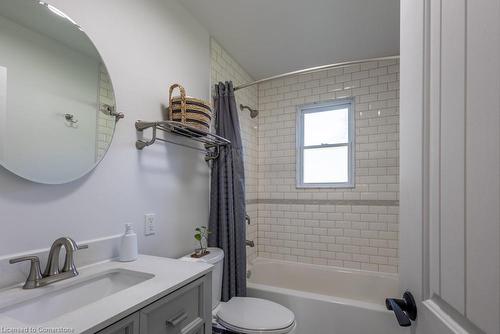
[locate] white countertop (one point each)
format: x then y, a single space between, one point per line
169 275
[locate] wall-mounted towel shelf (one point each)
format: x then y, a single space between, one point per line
211 141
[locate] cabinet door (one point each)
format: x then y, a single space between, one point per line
185 311
128 325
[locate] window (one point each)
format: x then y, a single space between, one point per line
325 145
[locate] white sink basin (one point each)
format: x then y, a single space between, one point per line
84 292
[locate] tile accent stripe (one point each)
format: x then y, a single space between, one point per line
324 202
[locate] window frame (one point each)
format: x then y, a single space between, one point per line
300 148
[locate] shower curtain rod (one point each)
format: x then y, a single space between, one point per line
314 69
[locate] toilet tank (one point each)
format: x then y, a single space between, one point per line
215 258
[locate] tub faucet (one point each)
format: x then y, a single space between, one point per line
250 243
52 272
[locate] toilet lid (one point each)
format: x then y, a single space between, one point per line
253 314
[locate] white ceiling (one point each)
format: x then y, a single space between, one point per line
269 37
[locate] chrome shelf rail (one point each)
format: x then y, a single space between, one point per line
212 142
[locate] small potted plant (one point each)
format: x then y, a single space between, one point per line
201 235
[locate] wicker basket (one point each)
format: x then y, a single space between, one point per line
189 111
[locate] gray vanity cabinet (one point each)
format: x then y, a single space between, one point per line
185 311
180 312
129 325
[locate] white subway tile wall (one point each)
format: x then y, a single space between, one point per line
105 123
354 228
225 68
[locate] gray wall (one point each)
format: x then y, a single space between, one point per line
146 45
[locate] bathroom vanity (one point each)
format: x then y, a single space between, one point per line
150 295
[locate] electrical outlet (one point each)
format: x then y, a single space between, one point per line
149 224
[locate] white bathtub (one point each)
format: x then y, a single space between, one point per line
328 300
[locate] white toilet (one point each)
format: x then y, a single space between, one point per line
244 315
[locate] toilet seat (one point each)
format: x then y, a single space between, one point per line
254 316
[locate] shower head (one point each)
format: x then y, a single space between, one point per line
253 112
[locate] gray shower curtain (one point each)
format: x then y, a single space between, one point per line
227 195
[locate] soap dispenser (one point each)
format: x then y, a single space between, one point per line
128 247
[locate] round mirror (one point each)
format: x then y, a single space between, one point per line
57 105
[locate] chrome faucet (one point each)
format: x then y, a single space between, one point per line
70 246
52 271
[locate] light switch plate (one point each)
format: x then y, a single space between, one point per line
149 224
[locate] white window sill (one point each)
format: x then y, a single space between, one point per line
325 185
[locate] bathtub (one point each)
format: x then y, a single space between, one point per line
328 300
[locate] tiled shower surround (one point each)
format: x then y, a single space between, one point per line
354 228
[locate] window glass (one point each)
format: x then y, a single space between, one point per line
326 127
326 165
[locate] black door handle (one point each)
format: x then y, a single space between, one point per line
405 309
